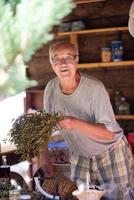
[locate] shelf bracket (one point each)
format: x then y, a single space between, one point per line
74 39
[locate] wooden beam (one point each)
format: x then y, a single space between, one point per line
87 1
73 39
99 30
106 65
125 117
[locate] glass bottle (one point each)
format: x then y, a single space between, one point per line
117 101
111 94
106 54
124 108
4 170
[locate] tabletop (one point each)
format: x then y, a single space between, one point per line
34 196
7 149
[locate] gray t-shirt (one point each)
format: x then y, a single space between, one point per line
90 102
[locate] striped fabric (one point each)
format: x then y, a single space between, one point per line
113 167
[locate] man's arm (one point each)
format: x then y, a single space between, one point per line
91 130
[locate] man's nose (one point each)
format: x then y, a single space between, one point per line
63 60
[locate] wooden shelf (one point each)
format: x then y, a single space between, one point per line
125 117
73 35
107 64
73 38
89 31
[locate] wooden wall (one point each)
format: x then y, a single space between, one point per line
108 13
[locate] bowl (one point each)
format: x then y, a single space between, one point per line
90 194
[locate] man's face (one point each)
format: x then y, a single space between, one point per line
64 62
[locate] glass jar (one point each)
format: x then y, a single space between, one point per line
117 50
4 171
14 195
106 54
25 197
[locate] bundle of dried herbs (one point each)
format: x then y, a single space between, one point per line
31 132
4 189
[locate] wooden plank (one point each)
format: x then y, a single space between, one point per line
125 117
94 12
73 39
107 64
99 30
7 149
87 1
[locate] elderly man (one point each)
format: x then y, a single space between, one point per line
95 139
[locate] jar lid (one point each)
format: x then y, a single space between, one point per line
106 49
25 197
116 41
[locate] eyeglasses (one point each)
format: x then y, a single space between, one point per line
67 59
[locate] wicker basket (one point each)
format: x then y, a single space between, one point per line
61 185
89 194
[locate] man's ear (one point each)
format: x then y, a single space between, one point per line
77 58
50 60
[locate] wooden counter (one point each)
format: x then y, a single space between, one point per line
7 149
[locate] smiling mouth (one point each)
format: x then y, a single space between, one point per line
64 70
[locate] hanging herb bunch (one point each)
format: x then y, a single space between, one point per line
31 132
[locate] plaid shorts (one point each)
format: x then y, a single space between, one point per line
113 167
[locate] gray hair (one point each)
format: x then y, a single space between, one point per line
63 44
